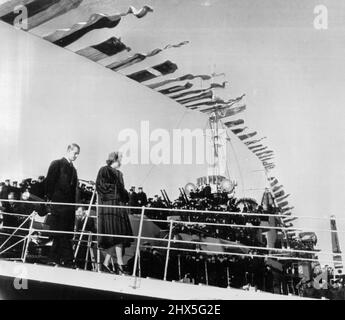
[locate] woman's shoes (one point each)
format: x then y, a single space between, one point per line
121 269
106 269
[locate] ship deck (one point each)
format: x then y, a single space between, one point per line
40 277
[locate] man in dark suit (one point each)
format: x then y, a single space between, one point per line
37 187
11 207
15 189
62 186
142 198
3 193
207 191
6 188
192 194
133 200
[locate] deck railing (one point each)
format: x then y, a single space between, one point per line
170 242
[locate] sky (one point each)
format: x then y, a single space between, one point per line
292 75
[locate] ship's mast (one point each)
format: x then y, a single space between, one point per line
216 149
215 140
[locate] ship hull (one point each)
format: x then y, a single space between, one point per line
50 291
33 281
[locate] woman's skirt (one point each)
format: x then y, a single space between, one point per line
113 221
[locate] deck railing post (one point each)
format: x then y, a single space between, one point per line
168 250
88 248
98 251
206 272
84 224
29 236
137 251
179 267
228 276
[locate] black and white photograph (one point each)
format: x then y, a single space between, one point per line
172 150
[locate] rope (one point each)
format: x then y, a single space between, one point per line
238 164
6 234
13 214
154 165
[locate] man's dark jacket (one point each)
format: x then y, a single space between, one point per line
61 186
62 182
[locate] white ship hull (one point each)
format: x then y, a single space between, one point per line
40 281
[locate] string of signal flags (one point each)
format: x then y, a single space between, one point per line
181 89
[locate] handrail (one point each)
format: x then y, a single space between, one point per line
73 232
218 224
247 226
283 250
140 237
257 214
168 250
13 214
170 244
243 254
137 250
6 234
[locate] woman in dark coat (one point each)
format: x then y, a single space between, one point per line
115 221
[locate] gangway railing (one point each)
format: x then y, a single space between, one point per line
170 242
222 212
